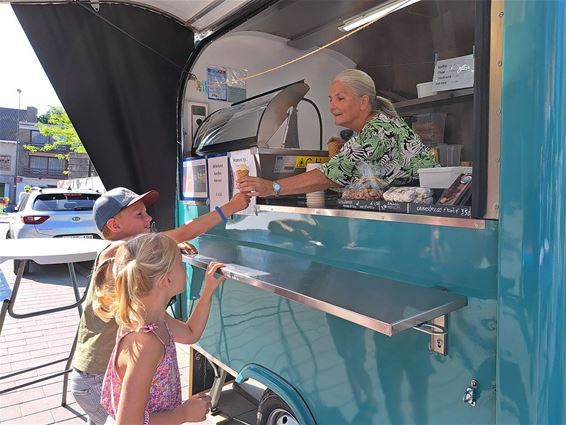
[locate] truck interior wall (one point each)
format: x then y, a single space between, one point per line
257 52
117 73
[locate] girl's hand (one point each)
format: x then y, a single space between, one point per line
212 282
196 408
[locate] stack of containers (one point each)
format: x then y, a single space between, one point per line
315 199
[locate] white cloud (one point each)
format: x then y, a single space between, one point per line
20 68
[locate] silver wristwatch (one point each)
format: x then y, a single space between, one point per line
276 188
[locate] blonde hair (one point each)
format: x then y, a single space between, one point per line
363 85
138 264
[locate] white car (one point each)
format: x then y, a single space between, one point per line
53 213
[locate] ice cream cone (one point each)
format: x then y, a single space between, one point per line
242 170
334 146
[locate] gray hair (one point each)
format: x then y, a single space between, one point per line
363 85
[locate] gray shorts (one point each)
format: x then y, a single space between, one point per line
86 388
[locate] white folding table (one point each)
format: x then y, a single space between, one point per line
45 251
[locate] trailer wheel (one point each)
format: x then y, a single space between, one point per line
272 410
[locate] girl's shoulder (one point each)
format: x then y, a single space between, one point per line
142 341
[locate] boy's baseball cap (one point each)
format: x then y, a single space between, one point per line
112 202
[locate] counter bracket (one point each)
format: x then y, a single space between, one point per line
437 328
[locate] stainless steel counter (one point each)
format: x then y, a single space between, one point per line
380 304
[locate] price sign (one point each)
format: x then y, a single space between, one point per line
218 180
455 73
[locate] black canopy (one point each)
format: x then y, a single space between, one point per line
117 73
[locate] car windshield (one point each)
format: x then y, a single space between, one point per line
64 202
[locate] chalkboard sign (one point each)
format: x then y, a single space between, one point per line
408 208
201 373
441 210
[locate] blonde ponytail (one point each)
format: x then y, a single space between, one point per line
138 264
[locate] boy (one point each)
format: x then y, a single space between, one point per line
120 214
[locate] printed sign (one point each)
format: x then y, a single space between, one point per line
242 162
194 179
455 73
302 161
219 181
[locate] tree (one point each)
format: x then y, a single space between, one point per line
56 125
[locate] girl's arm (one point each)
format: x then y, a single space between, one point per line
139 356
137 361
191 331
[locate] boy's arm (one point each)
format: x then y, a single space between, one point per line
202 224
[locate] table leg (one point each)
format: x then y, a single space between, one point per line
75 287
68 369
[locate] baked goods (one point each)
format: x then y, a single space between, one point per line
421 195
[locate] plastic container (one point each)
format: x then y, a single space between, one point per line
449 155
430 127
425 89
440 177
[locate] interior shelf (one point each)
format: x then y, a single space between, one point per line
434 98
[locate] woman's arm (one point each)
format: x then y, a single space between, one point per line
204 223
311 181
191 331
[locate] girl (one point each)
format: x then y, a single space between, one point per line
142 383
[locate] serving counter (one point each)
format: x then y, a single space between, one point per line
377 303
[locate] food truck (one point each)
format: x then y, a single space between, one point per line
347 311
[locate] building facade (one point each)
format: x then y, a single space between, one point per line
21 167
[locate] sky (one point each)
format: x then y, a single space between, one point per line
20 68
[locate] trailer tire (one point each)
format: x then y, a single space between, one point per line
272 410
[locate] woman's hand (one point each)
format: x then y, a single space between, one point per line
211 281
255 186
196 408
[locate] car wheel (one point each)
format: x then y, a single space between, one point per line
272 410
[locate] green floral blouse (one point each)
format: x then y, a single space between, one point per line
390 145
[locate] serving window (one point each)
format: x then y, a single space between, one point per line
432 60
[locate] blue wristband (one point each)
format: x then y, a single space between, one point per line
221 214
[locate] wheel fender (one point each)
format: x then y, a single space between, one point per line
280 387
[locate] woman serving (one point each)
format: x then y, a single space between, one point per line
381 138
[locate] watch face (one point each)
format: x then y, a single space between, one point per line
276 187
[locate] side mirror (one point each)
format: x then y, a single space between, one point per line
10 209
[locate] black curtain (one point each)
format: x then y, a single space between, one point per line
117 72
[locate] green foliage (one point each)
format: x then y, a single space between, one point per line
56 125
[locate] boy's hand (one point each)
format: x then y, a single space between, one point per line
196 408
211 281
239 202
187 248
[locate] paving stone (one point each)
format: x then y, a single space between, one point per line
35 419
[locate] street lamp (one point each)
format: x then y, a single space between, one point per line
17 146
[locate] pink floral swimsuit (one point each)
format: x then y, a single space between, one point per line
165 390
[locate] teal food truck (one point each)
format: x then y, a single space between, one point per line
347 312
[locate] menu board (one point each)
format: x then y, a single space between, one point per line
218 180
194 179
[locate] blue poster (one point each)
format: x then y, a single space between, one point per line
217 87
